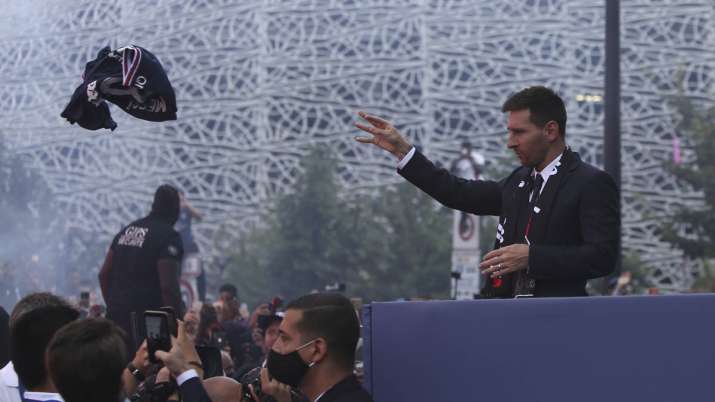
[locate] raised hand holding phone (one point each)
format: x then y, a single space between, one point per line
182 356
157 333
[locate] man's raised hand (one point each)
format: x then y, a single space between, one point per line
182 356
384 135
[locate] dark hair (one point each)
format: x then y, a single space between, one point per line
166 203
86 360
332 317
229 288
29 337
543 103
33 301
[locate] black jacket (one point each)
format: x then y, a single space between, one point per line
574 237
192 390
347 390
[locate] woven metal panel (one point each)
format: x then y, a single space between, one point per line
258 82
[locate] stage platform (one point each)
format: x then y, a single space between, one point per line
649 348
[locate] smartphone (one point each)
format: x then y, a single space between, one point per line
211 360
157 333
173 327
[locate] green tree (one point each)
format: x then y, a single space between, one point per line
693 229
386 246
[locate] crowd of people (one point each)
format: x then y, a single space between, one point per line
302 351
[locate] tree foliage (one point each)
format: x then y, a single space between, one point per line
693 229
392 245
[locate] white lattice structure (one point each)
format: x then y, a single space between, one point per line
259 81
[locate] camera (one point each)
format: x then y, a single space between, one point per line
253 378
151 391
158 335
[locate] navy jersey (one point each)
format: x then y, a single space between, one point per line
136 250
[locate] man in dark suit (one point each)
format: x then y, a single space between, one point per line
559 217
315 352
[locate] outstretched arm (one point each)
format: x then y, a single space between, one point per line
384 135
472 196
194 212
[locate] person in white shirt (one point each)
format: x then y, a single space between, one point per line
9 385
9 382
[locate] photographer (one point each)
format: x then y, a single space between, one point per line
315 352
147 382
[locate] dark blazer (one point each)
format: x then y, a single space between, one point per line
347 390
192 390
574 237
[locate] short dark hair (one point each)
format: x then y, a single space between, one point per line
86 360
166 203
33 301
543 103
229 288
29 337
333 317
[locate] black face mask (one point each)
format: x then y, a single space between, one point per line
288 368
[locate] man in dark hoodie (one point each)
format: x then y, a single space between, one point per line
142 267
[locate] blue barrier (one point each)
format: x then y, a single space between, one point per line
655 348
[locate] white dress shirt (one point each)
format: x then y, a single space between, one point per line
551 169
43 396
9 384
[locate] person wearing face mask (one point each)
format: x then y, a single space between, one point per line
559 217
142 267
315 352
